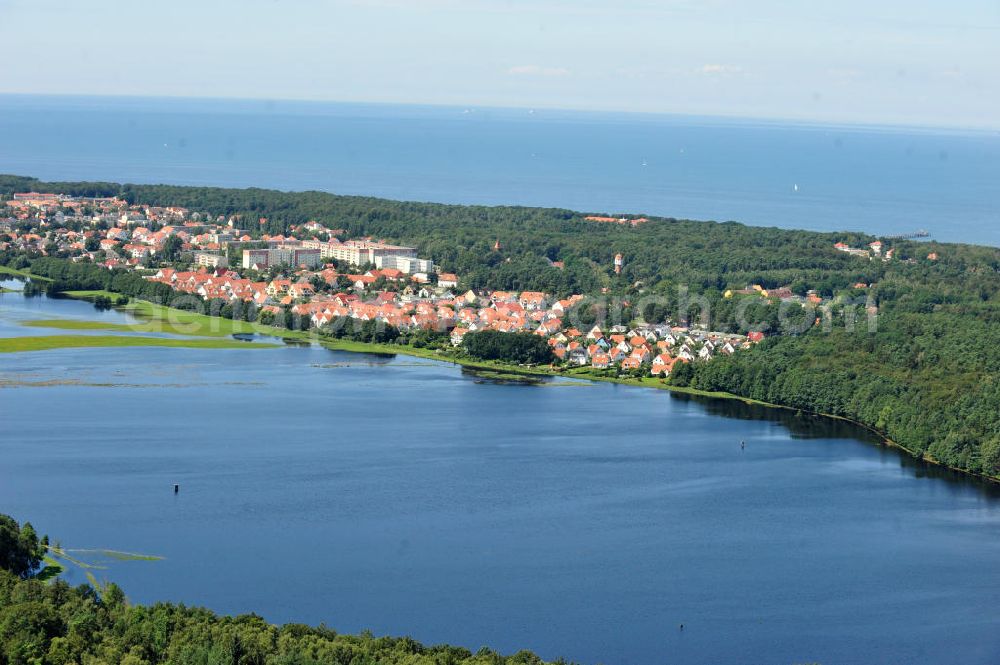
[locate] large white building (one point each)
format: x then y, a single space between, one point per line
210 260
360 252
281 256
408 264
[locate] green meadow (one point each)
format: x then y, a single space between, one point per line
49 342
159 318
4 270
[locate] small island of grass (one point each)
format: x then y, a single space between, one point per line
49 342
160 318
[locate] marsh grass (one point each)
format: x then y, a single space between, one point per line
49 342
58 559
118 555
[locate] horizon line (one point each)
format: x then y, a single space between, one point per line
719 117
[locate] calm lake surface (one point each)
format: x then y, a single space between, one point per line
403 496
879 180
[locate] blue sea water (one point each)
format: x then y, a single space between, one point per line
884 180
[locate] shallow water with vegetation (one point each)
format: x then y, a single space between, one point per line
406 496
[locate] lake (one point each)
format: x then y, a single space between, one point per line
883 180
580 520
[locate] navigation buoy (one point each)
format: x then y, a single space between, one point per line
177 488
743 444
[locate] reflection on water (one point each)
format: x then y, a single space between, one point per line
368 357
274 339
497 377
15 309
802 425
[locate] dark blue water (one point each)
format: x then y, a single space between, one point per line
580 521
880 180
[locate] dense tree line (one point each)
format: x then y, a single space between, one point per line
21 551
52 623
927 382
521 348
356 330
659 256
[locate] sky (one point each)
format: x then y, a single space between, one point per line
910 62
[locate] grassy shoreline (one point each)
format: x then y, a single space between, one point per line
225 327
14 272
160 318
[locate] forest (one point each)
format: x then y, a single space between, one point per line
926 376
521 348
658 256
48 622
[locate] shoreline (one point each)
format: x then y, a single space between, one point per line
485 365
23 274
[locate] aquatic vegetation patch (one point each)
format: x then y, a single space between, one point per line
57 559
49 342
73 324
501 377
52 383
117 555
157 325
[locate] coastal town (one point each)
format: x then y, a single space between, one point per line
500 332
320 276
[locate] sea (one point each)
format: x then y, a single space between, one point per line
882 180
